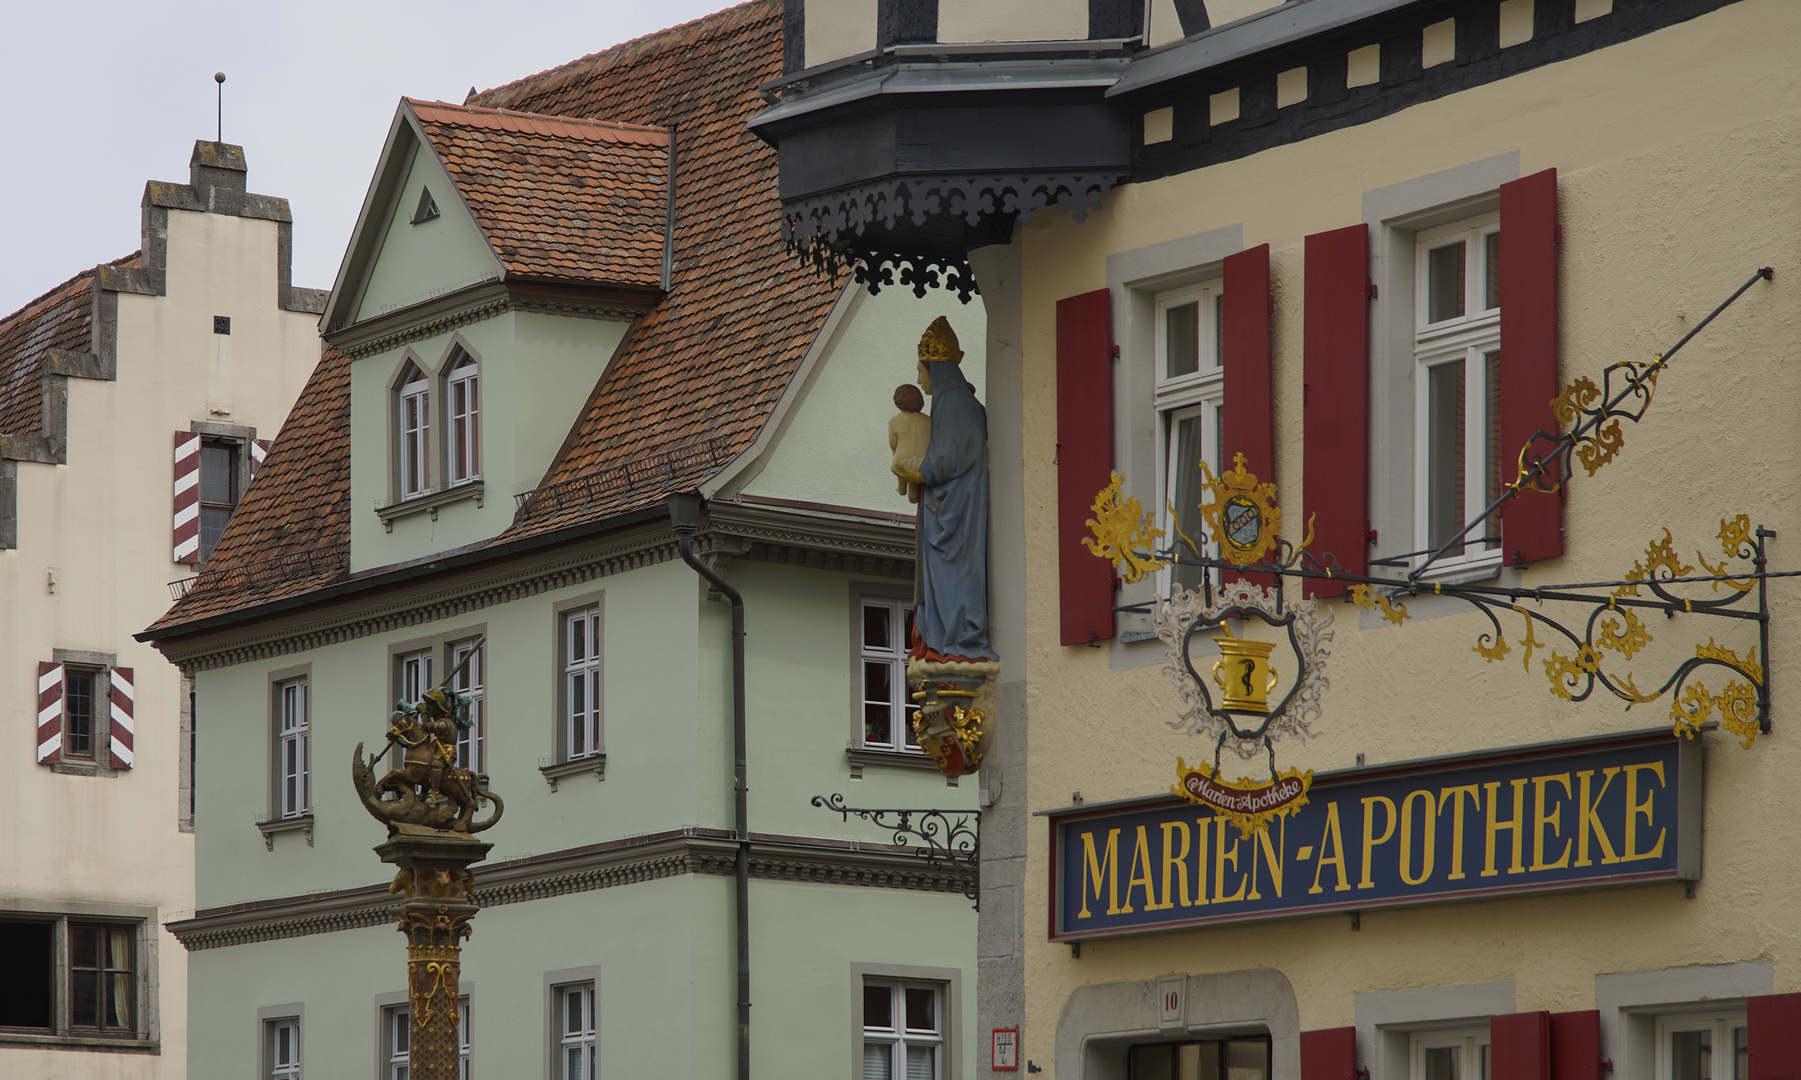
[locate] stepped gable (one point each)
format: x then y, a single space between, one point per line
564 199
59 319
695 380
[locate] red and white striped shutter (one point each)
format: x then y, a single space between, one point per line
122 696
50 713
259 452
187 497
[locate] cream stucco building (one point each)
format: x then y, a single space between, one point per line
135 403
1363 243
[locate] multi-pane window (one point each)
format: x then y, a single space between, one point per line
466 679
1450 1055
575 1032
464 393
83 689
1703 1046
903 1030
65 976
415 431
294 797
1190 397
415 675
887 627
283 1041
1457 382
1214 1059
581 683
397 1042
218 490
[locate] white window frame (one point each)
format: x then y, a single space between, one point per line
397 1041
901 710
293 772
471 682
1722 1025
1468 338
277 1068
1185 397
584 1038
416 674
1470 1041
414 396
900 1037
582 671
462 404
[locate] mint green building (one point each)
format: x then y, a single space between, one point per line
563 302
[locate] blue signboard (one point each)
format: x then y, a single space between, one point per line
1572 815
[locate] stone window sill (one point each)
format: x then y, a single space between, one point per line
83 768
429 502
281 825
594 763
123 1045
860 757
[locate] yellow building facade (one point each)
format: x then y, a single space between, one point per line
1662 139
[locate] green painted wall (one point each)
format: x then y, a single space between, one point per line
441 255
835 449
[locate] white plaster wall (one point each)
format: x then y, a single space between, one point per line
839 28
1676 156
834 449
101 524
1014 20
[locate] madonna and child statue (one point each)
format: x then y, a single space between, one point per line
941 465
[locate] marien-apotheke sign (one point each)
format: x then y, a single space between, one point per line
1571 815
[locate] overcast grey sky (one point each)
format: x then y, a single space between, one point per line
104 96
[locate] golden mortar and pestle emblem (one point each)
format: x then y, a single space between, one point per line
1244 674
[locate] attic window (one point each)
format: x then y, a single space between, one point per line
428 207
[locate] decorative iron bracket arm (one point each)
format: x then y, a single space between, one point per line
948 840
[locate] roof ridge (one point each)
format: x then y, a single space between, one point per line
623 47
487 110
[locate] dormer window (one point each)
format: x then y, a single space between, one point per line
464 414
415 431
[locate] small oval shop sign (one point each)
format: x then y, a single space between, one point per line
1572 815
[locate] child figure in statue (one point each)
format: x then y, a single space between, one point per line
909 433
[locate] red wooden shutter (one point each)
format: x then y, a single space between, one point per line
1084 460
1576 1045
1330 1053
1774 1037
121 729
187 497
1249 420
1521 1046
1335 401
1532 523
259 452
50 712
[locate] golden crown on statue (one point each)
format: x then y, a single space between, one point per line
939 344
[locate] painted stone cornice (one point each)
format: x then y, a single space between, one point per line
599 866
480 301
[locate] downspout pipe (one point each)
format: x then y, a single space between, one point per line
684 515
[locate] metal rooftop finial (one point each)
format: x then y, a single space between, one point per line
219 77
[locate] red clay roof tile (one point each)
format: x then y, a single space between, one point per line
59 319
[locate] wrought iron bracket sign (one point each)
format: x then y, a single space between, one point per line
948 840
1614 810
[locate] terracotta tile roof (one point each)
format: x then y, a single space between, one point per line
701 372
569 199
59 319
694 380
290 533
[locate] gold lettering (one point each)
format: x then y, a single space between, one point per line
1179 863
1094 869
1455 795
1271 857
1369 835
1430 816
1141 856
1203 830
1220 859
1540 819
1516 824
1591 821
1634 808
1331 833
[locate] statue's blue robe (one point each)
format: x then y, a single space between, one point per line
953 521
